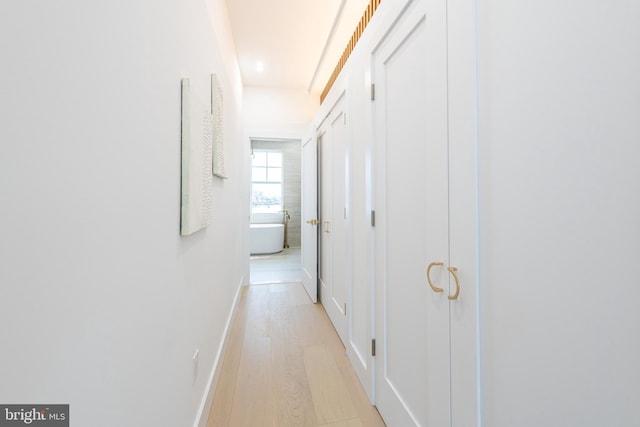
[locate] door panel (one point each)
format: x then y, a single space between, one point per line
335 278
338 224
310 213
412 321
324 188
560 213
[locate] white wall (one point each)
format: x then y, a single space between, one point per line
103 303
277 112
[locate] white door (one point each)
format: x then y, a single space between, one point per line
334 261
310 217
559 146
336 306
411 203
324 210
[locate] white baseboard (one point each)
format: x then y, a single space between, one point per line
212 382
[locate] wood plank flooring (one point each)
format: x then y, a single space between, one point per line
285 366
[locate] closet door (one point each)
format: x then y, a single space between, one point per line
334 273
560 213
325 259
411 203
310 217
336 306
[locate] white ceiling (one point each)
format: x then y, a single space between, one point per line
299 42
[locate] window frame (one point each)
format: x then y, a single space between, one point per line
267 168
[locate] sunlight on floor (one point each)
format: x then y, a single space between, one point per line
276 268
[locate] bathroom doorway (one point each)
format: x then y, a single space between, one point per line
276 205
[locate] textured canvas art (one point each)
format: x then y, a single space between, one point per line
218 137
197 155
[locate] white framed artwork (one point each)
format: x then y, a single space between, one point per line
196 163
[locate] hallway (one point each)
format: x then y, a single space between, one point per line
285 366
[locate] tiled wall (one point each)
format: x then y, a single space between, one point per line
292 188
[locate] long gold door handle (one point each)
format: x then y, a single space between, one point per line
453 271
313 221
435 288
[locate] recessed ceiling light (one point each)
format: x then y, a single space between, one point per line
259 66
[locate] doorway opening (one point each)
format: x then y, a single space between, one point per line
276 211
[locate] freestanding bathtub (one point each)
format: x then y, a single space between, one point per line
266 238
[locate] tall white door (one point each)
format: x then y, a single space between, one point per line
325 260
310 218
333 166
411 204
559 145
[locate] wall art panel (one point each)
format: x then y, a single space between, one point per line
218 135
197 154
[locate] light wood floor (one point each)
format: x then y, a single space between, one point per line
285 366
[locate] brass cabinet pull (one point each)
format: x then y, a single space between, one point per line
313 221
435 288
453 271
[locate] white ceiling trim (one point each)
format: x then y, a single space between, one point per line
327 43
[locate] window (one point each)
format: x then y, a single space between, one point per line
266 181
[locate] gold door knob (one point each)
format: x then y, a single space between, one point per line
453 270
313 222
435 288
